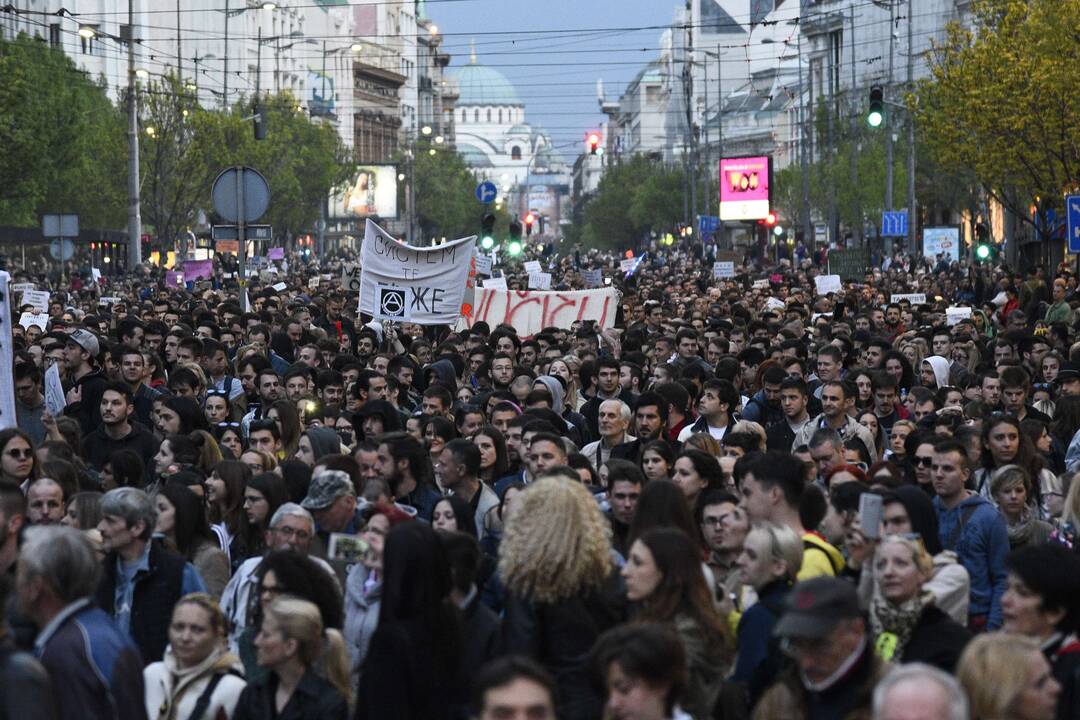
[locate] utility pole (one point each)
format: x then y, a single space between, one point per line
134 258
179 49
911 132
720 241
808 230
225 79
888 111
857 228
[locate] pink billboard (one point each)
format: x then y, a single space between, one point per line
744 188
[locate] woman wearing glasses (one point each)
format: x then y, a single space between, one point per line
18 464
905 619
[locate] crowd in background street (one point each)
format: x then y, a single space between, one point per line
740 498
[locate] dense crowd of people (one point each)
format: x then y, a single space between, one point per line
742 499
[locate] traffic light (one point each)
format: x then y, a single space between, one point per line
983 252
529 220
514 245
876 114
770 219
487 232
594 143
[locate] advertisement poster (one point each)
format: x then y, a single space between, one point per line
372 192
941 241
744 188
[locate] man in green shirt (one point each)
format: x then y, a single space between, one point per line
1059 310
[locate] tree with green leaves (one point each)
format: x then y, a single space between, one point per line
636 196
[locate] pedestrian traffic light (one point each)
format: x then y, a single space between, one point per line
487 232
513 246
876 114
529 220
594 143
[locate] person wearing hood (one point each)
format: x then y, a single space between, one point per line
443 372
575 421
317 442
934 372
198 679
908 510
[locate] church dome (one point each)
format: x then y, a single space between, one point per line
481 85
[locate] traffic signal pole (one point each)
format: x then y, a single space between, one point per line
134 254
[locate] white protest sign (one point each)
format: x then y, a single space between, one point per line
280 287
109 300
723 269
498 283
350 277
761 284
913 298
774 304
483 265
627 265
55 402
592 278
528 312
532 266
954 315
313 283
22 287
36 298
40 319
424 285
825 284
95 273
539 281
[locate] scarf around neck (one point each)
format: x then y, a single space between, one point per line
893 624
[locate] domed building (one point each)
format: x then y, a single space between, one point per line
494 137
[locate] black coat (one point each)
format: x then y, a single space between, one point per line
936 640
314 699
25 688
559 636
482 636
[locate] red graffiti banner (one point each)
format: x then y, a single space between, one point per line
531 311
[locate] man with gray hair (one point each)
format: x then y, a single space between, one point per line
96 670
291 528
142 580
613 419
917 691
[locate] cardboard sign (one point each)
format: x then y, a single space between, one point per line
498 283
424 285
721 270
954 315
540 281
532 266
627 265
277 253
198 269
350 277
762 284
592 278
528 312
36 298
483 265
825 284
913 298
40 319
55 400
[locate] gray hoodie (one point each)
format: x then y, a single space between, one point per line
554 387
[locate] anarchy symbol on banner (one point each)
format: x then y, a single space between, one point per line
392 302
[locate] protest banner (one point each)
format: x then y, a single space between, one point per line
174 278
198 269
592 278
40 319
350 277
849 264
774 304
38 299
913 298
722 270
627 265
761 284
498 283
424 285
532 266
483 265
954 315
825 284
531 311
275 253
540 281
313 283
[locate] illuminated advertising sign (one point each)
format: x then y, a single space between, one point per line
744 188
373 192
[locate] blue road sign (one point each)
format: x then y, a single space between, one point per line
708 224
1072 216
894 224
486 192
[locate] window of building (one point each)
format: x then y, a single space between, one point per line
500 116
89 43
489 115
54 35
476 116
515 152
462 116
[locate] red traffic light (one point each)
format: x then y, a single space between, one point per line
770 219
593 142
530 219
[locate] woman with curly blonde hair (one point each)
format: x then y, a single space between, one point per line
556 563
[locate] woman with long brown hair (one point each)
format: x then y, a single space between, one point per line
664 577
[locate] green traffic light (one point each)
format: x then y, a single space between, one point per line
514 248
778 231
487 242
982 252
875 118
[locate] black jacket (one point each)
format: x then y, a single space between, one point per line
481 627
88 410
314 699
559 636
591 409
1064 657
99 446
25 688
936 640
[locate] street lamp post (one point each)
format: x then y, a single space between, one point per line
134 254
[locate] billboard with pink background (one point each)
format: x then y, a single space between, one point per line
744 188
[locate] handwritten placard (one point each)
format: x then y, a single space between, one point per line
825 284
539 281
483 265
592 278
913 298
532 266
498 283
954 315
761 284
22 287
627 265
36 298
40 319
723 270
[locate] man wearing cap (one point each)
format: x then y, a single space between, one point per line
88 383
834 667
331 499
